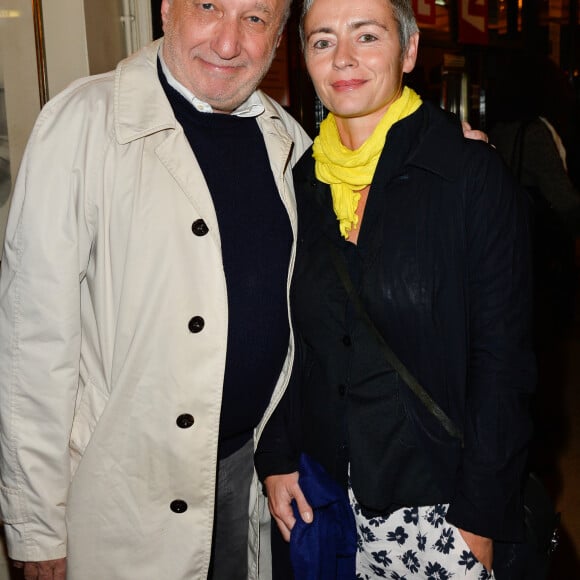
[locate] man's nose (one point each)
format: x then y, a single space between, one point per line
226 41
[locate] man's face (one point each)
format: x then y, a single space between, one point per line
221 50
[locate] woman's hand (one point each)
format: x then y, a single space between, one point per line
281 490
481 547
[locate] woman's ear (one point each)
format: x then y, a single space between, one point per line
410 57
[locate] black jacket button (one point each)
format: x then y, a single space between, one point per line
178 506
346 340
199 228
185 421
341 390
196 324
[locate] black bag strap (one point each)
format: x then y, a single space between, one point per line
391 357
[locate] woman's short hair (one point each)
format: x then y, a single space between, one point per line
402 13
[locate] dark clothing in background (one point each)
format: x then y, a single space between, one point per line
530 151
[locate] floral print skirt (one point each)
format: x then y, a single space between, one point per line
413 543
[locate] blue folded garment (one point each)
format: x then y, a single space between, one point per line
326 548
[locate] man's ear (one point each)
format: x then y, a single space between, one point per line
165 6
410 57
280 37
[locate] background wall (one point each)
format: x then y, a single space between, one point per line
105 34
80 38
18 80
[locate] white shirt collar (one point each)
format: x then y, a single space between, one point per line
252 107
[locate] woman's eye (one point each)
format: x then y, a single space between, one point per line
321 44
207 6
368 37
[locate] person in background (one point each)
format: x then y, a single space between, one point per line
529 108
530 118
530 111
415 239
144 325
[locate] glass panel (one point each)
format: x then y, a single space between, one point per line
19 88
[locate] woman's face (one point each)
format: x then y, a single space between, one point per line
353 55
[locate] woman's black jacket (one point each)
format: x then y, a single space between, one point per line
442 267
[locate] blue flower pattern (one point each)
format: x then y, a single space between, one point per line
379 572
411 562
382 557
367 534
406 545
436 515
446 541
434 571
399 535
467 559
411 515
421 541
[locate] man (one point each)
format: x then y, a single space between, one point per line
145 274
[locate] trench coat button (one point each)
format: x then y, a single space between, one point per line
178 506
185 421
199 228
196 324
341 390
346 340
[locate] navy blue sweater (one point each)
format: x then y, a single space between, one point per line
256 241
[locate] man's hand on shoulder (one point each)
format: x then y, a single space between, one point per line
47 570
474 134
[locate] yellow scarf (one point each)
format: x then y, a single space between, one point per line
349 171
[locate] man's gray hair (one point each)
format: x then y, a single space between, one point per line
402 13
285 14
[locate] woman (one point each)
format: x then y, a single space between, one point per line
411 234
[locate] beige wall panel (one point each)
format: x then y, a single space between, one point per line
105 34
65 42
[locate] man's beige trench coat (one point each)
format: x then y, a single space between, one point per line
104 266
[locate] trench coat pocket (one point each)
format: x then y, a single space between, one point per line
87 415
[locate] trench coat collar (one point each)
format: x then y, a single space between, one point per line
141 107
